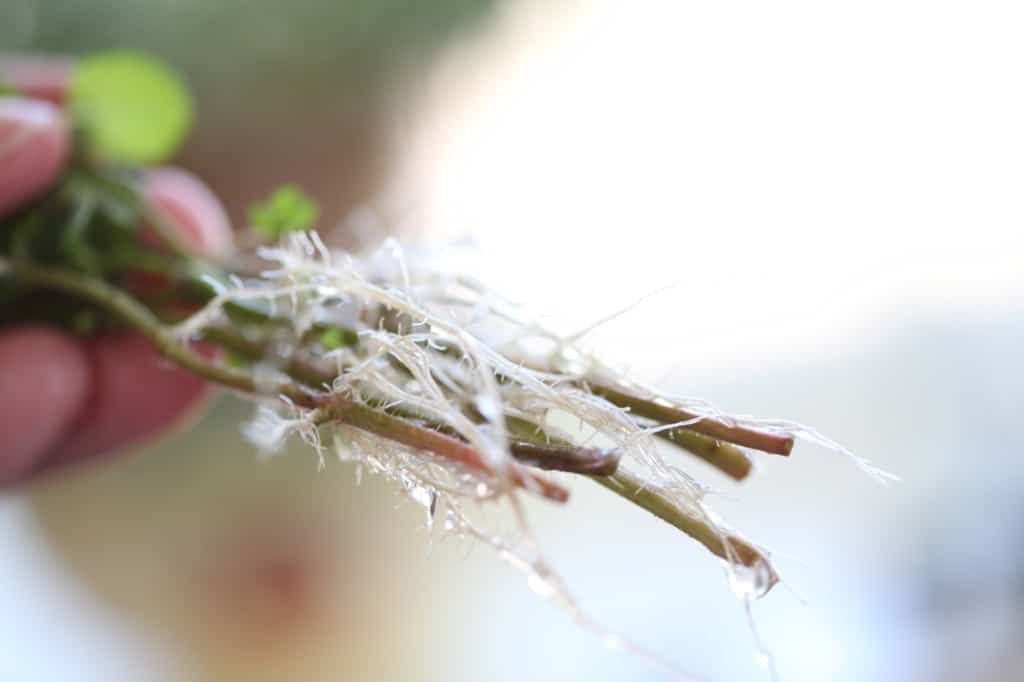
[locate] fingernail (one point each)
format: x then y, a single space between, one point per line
188 205
37 76
34 142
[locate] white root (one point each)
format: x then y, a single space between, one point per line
430 345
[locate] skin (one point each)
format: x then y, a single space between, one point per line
65 400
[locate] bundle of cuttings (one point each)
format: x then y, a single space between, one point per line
388 359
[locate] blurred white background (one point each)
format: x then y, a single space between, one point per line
832 193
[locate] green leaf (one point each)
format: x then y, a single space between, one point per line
134 108
287 210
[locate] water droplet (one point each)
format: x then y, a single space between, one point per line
482 489
450 520
359 473
432 510
424 496
751 582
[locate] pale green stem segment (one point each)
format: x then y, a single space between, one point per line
639 492
725 457
553 457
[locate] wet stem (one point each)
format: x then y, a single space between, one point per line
304 389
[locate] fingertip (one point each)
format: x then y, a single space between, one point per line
189 205
40 76
44 383
34 143
135 395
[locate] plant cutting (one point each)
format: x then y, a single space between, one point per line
383 359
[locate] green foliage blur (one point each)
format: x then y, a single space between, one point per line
134 108
286 210
259 44
298 92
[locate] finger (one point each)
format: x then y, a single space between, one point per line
40 77
185 203
44 384
34 143
135 394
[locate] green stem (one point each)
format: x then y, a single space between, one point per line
725 457
338 407
342 408
562 457
140 318
255 351
640 493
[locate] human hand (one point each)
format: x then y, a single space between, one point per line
65 399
